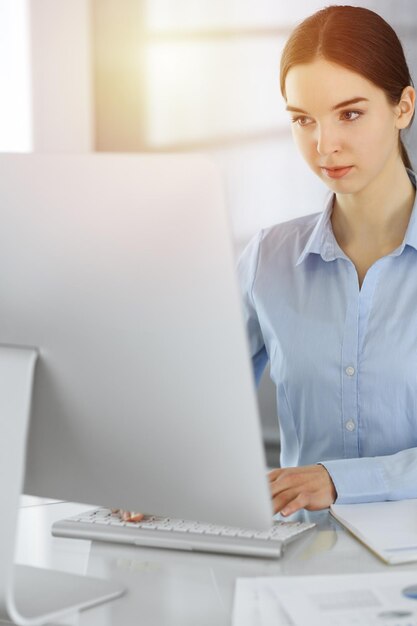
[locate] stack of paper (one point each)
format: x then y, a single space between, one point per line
383 599
388 528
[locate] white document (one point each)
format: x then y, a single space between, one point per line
383 599
256 605
387 528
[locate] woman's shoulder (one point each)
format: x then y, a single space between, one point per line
284 241
280 243
297 230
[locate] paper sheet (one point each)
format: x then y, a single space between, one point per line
388 528
383 599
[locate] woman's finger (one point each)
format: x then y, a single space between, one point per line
136 517
273 474
283 499
300 502
286 481
130 516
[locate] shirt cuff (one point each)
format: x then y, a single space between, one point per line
358 480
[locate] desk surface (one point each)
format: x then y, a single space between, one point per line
173 588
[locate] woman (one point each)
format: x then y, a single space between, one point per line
331 298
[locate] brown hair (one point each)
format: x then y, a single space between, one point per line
359 40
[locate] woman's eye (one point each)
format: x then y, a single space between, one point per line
302 120
350 116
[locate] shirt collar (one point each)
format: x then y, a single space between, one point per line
410 237
322 240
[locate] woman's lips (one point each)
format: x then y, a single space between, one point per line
336 172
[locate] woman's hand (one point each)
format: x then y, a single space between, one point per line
128 516
293 488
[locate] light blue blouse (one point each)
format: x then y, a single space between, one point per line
344 359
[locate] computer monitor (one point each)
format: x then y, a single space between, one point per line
117 278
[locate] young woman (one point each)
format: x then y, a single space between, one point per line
331 298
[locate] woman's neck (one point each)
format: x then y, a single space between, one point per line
377 216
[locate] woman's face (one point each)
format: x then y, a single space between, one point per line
341 120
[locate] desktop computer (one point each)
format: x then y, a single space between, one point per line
123 357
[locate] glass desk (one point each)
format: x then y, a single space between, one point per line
174 588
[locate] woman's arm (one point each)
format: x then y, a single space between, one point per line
246 271
345 481
371 479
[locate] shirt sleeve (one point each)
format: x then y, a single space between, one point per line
246 270
373 479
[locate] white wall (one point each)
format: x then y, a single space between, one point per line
62 107
267 182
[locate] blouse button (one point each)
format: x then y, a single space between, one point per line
350 425
350 370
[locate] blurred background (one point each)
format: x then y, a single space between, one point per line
168 76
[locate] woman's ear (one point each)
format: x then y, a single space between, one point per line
405 107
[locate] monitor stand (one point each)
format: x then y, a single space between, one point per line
30 596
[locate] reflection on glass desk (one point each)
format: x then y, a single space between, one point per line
173 588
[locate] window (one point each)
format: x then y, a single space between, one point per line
15 101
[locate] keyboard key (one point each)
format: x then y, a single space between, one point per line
249 534
148 525
213 531
264 535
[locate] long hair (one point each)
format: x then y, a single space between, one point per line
357 39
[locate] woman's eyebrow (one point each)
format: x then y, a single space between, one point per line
334 108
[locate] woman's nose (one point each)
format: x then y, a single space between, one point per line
327 141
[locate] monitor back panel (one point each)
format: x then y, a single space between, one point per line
120 270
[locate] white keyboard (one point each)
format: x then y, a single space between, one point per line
164 532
